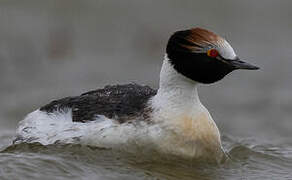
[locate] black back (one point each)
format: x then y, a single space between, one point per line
120 102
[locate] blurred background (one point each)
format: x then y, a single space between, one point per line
51 49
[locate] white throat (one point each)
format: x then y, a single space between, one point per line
176 92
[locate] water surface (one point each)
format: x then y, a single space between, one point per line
248 160
51 49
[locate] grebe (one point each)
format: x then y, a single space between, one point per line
171 120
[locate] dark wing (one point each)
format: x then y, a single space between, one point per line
119 101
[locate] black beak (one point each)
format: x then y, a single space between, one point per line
237 64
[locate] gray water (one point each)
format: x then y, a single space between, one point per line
51 49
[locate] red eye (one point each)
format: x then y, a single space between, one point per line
212 53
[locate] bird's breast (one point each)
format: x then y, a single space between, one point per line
192 134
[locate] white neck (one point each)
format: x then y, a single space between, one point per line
188 127
176 92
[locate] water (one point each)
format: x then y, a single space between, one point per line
51 49
248 160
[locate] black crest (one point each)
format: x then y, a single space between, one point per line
186 51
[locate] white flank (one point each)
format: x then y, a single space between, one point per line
57 127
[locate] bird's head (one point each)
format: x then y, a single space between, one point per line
203 56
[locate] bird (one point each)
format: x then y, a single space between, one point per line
171 120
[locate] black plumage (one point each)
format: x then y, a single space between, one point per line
197 66
120 102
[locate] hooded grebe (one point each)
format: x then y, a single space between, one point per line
171 120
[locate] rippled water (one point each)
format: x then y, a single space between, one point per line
50 49
248 160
